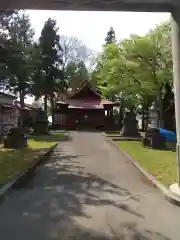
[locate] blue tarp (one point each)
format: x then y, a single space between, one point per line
169 135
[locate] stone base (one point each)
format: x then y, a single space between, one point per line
146 141
15 139
41 128
130 131
129 135
175 192
15 142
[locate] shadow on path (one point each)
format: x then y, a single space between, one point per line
58 204
46 209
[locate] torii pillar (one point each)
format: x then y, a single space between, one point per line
175 28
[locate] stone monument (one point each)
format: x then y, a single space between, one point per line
130 127
15 139
153 138
153 117
40 123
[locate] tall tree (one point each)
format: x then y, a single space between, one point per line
148 54
138 67
76 56
111 36
20 39
76 73
51 63
5 18
162 35
110 70
38 73
74 50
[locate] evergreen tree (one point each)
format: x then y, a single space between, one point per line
18 51
76 73
111 36
48 77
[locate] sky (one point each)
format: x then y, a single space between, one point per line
91 27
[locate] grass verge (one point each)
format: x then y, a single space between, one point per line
160 163
13 161
113 134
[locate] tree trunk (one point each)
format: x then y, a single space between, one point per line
45 103
22 107
143 119
22 95
3 85
1 121
157 119
121 110
161 121
147 118
52 109
168 108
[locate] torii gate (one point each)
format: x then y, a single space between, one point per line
172 6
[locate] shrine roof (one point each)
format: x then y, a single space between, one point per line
8 95
87 103
27 107
86 97
7 106
83 91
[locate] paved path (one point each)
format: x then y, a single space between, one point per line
88 190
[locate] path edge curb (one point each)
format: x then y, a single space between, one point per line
151 179
5 189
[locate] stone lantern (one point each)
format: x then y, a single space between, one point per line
153 116
40 119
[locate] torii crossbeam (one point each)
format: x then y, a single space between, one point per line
93 5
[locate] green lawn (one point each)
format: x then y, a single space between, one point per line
161 164
53 138
13 161
113 133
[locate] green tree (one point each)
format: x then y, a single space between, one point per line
138 68
20 38
50 64
5 18
38 73
76 73
104 70
111 36
112 73
155 65
162 35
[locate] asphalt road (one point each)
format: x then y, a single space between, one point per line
88 190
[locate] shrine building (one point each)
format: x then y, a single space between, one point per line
84 108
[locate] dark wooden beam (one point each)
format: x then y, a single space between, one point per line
92 5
